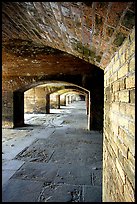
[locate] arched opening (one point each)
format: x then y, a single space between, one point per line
36 100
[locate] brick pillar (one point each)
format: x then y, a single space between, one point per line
7 109
29 101
90 114
74 98
67 100
70 99
87 103
47 103
64 100
18 108
58 101
39 100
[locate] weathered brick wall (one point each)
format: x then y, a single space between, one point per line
29 101
119 125
34 100
53 101
25 71
62 100
7 108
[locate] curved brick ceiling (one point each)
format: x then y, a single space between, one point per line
92 31
60 87
69 91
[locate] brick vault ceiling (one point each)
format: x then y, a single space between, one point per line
92 31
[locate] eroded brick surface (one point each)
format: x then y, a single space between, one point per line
119 129
88 31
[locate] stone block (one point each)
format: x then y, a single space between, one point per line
131 128
114 77
122 108
122 147
129 192
120 178
122 58
132 35
130 111
113 97
132 64
131 159
114 148
117 97
120 157
123 70
116 86
120 51
130 81
116 65
122 84
122 132
115 127
124 96
132 48
130 143
123 122
132 96
127 53
115 107
129 172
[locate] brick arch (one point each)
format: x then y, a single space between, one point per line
18 100
89 30
68 90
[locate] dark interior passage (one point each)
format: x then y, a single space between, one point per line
18 109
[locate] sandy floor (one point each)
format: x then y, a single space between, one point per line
54 158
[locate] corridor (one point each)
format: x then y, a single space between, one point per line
53 158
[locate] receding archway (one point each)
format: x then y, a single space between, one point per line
59 87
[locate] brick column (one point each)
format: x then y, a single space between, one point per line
87 103
58 101
64 100
90 114
67 100
7 109
47 103
18 109
39 100
70 99
29 101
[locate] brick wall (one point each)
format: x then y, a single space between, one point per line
119 125
35 100
29 101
